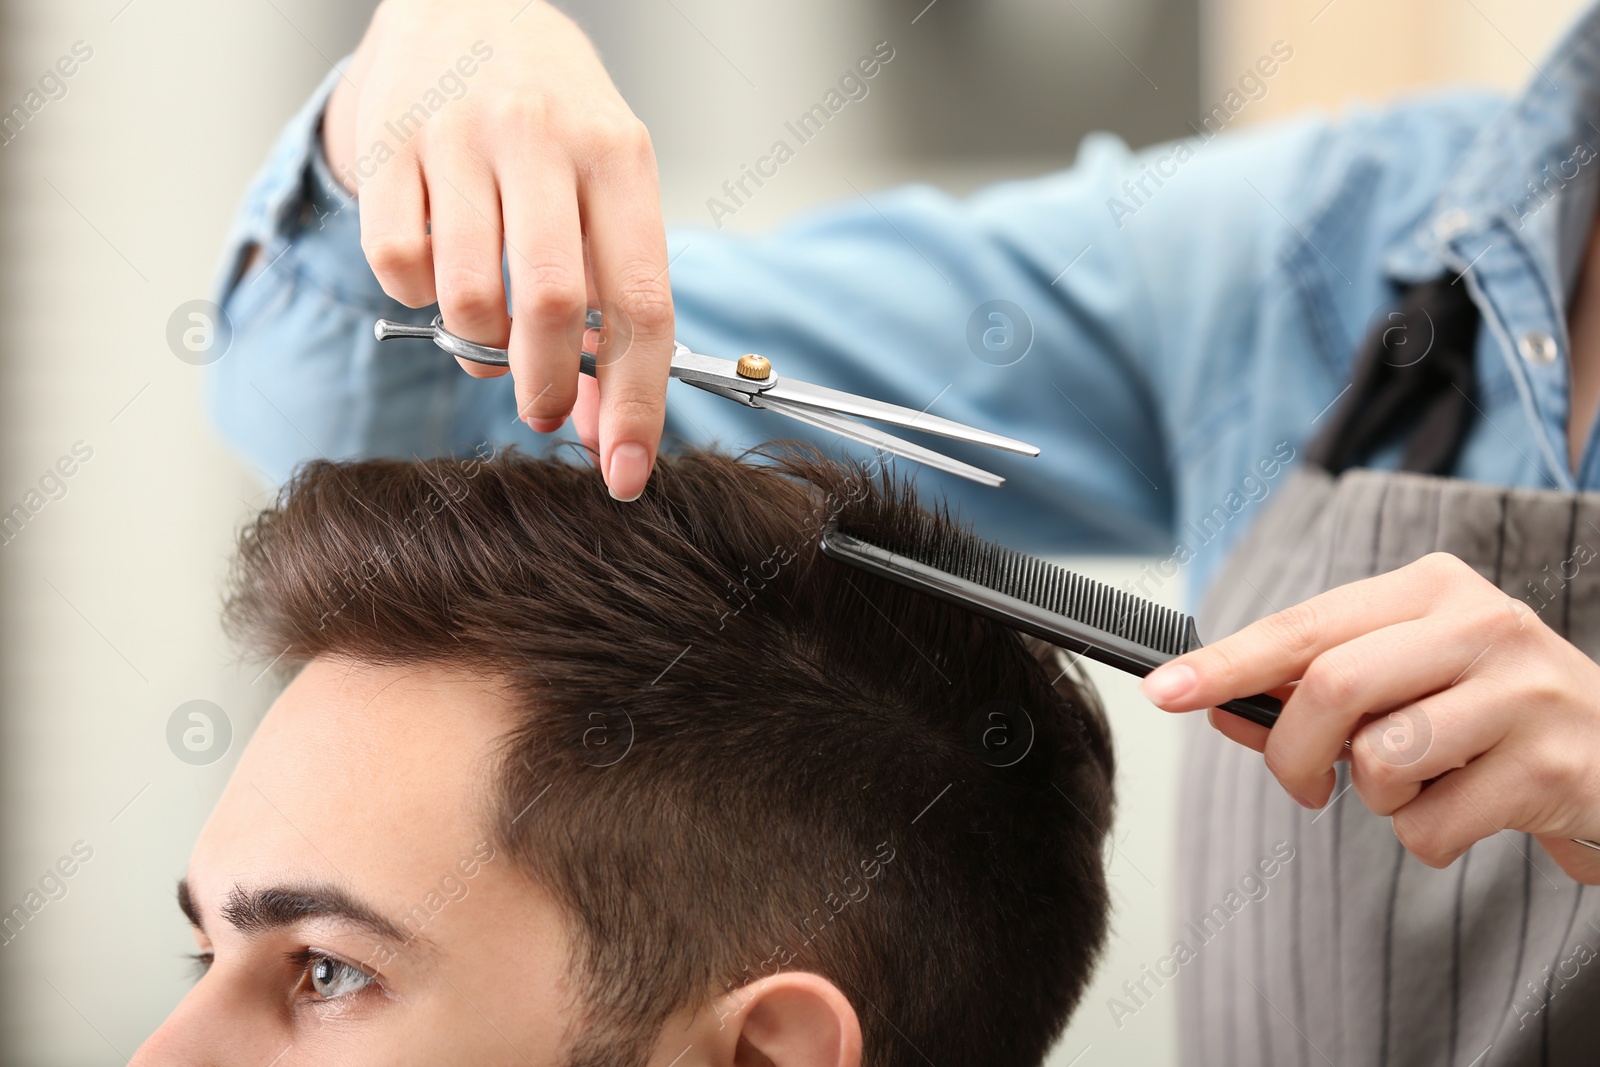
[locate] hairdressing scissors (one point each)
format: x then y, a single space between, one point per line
751 380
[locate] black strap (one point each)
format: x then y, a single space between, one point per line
1415 378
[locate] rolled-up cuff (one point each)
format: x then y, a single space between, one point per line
296 209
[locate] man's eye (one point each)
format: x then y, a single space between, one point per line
333 978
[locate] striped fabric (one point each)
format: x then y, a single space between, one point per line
1351 952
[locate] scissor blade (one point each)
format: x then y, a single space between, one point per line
821 397
878 439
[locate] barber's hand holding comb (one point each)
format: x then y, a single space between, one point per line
1466 714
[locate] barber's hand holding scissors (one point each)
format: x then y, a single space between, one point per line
1466 714
539 158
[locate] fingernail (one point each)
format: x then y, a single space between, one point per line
628 471
546 425
1169 683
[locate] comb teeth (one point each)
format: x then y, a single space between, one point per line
1046 586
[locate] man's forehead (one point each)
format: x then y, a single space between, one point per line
379 770
407 717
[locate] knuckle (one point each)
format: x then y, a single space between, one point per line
647 303
1294 628
1369 792
1446 572
1512 633
1544 692
1372 772
633 408
1495 621
1443 564
557 299
622 140
1553 770
471 293
527 113
1401 740
550 271
1332 679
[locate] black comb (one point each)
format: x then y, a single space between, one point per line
1028 594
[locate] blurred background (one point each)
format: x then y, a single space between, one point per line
116 196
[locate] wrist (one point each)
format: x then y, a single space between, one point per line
336 135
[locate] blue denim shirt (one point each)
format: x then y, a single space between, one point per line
1176 322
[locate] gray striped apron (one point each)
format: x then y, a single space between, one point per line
1312 937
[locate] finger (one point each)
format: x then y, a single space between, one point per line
394 231
464 213
1240 730
1277 649
1462 808
544 253
1255 736
586 410
586 415
1396 754
628 251
1391 667
482 370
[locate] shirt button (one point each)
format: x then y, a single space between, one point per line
1538 347
1450 224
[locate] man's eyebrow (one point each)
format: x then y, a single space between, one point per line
257 911
187 906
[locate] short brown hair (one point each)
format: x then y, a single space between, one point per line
810 768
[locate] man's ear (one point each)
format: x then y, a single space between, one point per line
792 1019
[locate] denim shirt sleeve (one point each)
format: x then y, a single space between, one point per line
1037 308
303 376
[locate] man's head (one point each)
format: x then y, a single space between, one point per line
567 781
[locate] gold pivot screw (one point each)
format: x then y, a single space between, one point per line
757 368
